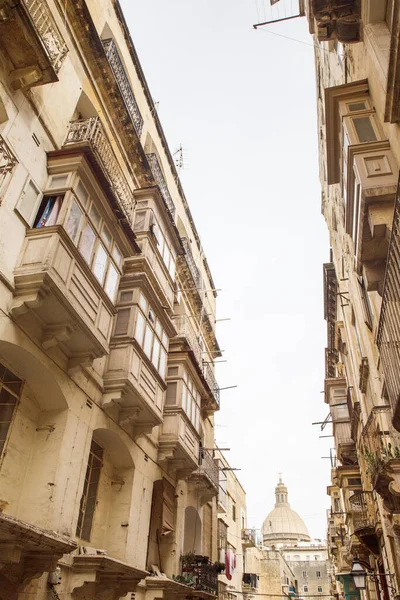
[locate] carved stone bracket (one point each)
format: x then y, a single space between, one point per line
387 484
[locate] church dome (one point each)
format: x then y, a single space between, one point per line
283 525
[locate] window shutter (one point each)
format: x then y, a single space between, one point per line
122 322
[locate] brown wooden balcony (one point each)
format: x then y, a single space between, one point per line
89 134
160 181
31 39
123 84
56 292
388 336
206 476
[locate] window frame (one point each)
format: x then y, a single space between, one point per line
88 481
143 311
28 220
4 385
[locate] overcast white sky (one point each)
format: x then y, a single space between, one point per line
242 103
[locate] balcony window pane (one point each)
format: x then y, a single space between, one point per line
143 303
156 353
170 398
100 263
111 282
158 329
48 211
106 237
139 331
73 221
364 129
140 221
87 242
356 106
163 363
117 256
172 268
165 340
94 215
148 339
82 193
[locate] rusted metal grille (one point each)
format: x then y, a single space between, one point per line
48 32
388 337
123 84
200 572
330 309
160 181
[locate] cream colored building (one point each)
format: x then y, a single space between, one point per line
107 324
357 71
235 539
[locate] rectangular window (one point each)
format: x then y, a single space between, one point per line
150 335
364 129
73 221
86 243
318 573
320 589
233 511
48 212
10 393
306 588
89 495
100 263
304 574
28 202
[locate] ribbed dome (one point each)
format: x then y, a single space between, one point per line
283 524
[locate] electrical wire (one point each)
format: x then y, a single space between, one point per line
286 37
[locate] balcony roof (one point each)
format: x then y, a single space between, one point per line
333 96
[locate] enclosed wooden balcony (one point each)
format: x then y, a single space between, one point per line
179 443
249 538
30 38
58 297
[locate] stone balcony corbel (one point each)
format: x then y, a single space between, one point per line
28 551
103 577
387 484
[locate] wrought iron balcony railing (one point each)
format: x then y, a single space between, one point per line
200 573
361 508
7 161
160 181
91 131
123 84
208 468
212 382
194 271
48 31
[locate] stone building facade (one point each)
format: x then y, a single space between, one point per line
107 324
357 70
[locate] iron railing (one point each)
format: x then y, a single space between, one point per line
123 84
194 271
48 31
212 382
7 161
388 336
200 573
160 181
91 131
185 329
208 468
360 510
381 440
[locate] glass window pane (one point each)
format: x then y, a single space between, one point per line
111 282
158 329
148 340
106 237
356 106
184 398
73 220
95 216
165 340
100 263
28 201
163 363
139 331
143 303
117 256
172 268
82 193
140 221
364 129
87 242
156 353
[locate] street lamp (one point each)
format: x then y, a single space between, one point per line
359 574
